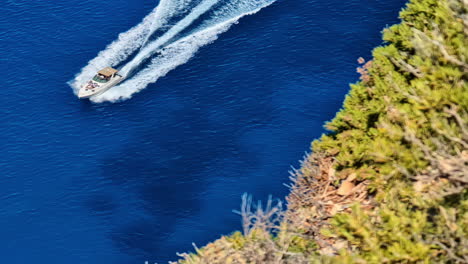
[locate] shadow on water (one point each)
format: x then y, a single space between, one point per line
170 163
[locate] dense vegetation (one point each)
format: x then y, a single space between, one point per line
388 184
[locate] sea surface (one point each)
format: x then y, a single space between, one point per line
140 175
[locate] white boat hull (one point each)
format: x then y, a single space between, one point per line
87 91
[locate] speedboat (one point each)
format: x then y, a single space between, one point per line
101 82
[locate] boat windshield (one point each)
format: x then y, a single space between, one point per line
100 79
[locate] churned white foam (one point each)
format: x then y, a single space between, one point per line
174 51
152 47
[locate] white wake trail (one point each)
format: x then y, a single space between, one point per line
178 6
130 41
153 47
180 51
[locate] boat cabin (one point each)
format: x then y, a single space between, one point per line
105 75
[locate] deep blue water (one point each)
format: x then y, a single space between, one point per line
143 178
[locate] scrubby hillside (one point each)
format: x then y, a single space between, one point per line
388 184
